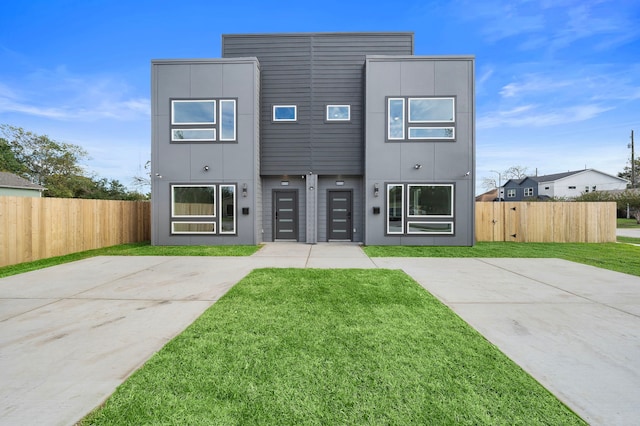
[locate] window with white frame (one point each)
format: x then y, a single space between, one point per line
511 193
420 209
285 113
338 113
421 118
528 192
203 120
203 209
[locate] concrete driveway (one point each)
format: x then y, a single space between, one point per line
70 334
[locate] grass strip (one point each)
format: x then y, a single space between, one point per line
131 249
616 257
308 346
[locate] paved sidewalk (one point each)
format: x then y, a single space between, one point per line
628 232
70 334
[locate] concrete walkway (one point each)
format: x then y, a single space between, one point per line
70 334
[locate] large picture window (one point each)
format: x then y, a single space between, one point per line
420 208
203 209
430 200
424 118
193 112
203 120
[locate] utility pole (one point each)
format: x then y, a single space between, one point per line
633 162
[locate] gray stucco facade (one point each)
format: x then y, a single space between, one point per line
311 156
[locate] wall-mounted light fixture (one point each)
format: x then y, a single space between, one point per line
376 189
244 189
284 183
158 175
417 166
339 183
205 168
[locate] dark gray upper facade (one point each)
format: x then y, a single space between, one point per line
297 137
313 71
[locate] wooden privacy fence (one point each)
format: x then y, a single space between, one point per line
37 228
557 222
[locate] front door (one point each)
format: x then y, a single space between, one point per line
340 224
285 217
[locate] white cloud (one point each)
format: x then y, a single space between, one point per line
536 116
57 94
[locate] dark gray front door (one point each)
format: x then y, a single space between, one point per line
285 204
339 206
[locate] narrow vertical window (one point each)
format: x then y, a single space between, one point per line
227 209
227 120
395 209
395 118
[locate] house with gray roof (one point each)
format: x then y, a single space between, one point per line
16 186
569 184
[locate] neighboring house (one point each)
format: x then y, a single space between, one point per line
573 184
314 137
561 185
488 196
520 189
15 186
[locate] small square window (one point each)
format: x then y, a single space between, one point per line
338 112
285 113
528 192
511 193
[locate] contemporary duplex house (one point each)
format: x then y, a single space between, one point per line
314 137
563 185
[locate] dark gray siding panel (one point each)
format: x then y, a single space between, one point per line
312 71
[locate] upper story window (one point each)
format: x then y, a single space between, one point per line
193 112
285 113
424 118
338 112
511 193
528 192
203 120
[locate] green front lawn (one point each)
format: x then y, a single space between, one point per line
308 346
627 223
616 257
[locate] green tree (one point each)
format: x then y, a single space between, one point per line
46 162
626 173
56 166
8 161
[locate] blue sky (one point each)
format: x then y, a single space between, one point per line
557 81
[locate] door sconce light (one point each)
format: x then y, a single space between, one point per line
417 166
244 189
339 183
376 190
